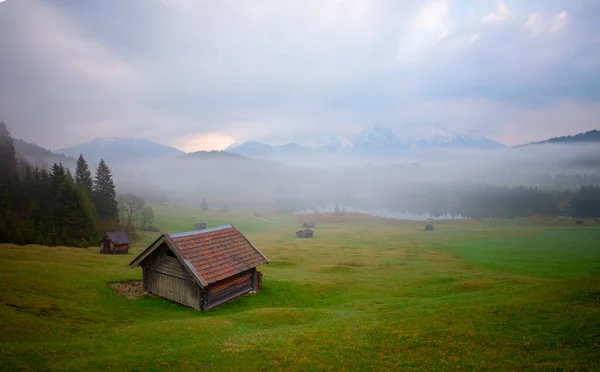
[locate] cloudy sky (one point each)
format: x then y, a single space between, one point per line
202 74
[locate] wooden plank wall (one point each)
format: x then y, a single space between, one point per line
230 288
166 277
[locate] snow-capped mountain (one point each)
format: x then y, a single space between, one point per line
424 136
117 150
375 140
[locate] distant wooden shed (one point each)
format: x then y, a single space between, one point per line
429 227
201 269
200 226
114 242
308 225
579 222
304 233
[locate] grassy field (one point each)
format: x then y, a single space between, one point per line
520 294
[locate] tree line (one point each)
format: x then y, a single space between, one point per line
484 200
53 207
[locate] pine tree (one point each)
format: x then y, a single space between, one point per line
104 193
57 176
8 158
83 176
204 205
73 215
9 186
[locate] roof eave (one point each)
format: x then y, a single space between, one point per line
253 246
136 261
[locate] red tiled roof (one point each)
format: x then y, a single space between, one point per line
217 253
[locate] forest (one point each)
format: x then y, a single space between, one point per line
51 206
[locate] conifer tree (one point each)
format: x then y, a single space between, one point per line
73 215
8 184
104 193
204 205
57 176
8 158
83 176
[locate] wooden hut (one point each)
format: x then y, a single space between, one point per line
579 222
200 226
201 269
429 227
114 242
304 233
308 225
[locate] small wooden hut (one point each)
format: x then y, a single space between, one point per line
200 226
201 269
114 242
579 222
304 233
308 225
429 227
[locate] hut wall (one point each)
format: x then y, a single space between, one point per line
105 246
229 288
108 247
121 249
166 277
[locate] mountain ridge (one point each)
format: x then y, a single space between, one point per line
39 155
374 140
582 137
118 150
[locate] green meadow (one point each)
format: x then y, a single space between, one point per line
518 294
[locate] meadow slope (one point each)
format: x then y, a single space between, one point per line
373 295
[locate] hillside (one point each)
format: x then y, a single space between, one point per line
117 150
38 155
590 136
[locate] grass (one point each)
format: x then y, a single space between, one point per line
517 294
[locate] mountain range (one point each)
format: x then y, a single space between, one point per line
374 140
116 150
371 141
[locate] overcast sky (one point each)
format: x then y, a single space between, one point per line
201 74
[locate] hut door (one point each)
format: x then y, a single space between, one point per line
106 246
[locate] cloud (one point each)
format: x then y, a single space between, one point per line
191 72
559 22
538 23
53 75
502 14
509 124
430 25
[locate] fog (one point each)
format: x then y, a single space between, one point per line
410 183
